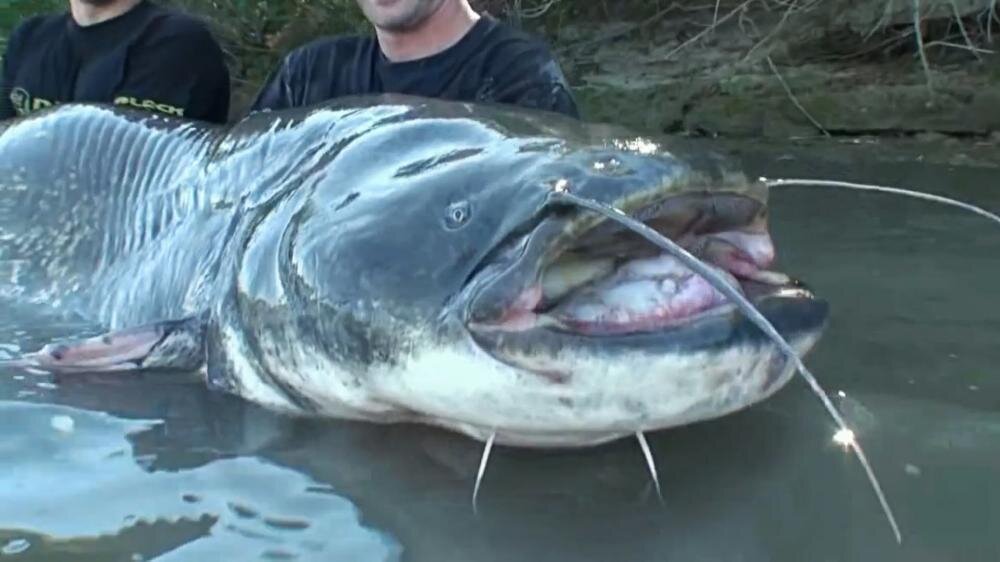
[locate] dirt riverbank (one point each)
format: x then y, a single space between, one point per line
767 73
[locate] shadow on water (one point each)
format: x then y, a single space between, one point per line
155 466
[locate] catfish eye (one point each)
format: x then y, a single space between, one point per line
457 215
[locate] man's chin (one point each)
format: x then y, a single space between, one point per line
400 16
98 3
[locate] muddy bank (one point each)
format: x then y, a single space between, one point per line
786 74
830 100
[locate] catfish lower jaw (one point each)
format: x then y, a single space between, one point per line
669 318
543 348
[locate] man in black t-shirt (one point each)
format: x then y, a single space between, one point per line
124 52
430 48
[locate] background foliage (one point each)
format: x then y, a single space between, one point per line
13 11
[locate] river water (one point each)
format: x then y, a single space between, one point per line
156 467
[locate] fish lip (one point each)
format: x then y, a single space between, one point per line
792 313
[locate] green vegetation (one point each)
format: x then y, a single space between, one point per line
256 33
13 11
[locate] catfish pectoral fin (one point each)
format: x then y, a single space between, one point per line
169 344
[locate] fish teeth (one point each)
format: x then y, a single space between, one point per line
564 276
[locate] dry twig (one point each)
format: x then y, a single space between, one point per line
920 46
792 7
705 31
622 32
961 27
989 21
970 48
795 100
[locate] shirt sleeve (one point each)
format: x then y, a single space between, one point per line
178 69
294 77
275 93
6 77
533 78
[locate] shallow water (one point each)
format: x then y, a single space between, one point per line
156 467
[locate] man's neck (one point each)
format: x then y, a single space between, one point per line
85 14
445 27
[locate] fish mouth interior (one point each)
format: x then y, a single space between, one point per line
595 278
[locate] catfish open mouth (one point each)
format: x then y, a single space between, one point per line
591 276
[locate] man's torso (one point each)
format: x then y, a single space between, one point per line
54 60
491 63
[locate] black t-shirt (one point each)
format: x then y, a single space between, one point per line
493 62
148 57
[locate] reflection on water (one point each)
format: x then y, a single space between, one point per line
75 477
143 467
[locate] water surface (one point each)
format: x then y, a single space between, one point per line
156 467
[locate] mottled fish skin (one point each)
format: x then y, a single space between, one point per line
319 259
